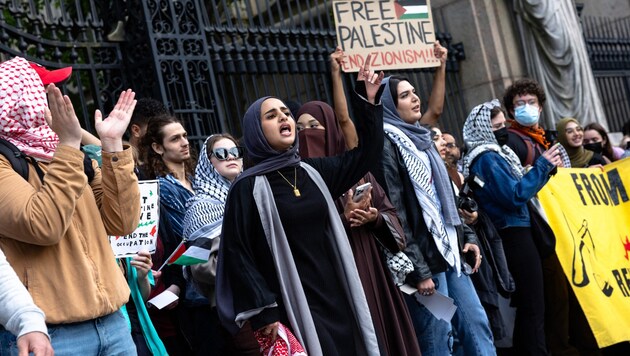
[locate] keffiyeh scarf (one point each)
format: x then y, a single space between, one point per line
419 168
204 210
431 181
479 138
22 104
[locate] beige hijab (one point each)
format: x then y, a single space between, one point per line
578 155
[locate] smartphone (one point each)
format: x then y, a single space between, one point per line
470 258
359 191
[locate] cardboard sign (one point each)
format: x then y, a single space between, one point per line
143 238
398 34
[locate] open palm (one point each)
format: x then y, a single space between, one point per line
115 125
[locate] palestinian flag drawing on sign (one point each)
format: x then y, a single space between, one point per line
411 9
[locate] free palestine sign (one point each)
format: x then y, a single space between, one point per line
398 34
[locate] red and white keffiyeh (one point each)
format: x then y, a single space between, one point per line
286 343
22 104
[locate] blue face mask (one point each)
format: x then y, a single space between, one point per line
526 115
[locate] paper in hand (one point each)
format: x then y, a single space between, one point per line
441 306
163 299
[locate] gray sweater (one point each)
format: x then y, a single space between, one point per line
18 314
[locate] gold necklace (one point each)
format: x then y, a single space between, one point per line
296 191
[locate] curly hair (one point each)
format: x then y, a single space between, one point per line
608 150
523 87
154 165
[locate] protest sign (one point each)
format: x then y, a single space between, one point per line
398 34
589 212
143 238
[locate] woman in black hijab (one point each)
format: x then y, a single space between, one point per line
284 257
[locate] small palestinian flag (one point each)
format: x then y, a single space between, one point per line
191 252
411 9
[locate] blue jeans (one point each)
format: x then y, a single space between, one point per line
107 335
470 322
434 336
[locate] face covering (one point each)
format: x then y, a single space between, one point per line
501 135
526 115
595 147
312 143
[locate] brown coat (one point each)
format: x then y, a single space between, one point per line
55 234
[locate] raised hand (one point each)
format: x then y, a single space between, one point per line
111 129
553 155
440 53
371 79
62 119
337 58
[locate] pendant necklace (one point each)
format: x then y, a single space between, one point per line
296 191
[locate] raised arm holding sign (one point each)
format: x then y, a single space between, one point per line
397 34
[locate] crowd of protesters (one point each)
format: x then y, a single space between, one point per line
315 223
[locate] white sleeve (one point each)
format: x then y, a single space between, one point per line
18 314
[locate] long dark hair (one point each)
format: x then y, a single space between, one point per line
153 163
608 150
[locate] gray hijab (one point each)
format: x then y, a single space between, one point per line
421 138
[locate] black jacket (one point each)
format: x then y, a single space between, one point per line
392 175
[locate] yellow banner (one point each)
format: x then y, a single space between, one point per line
589 211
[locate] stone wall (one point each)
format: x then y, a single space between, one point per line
494 55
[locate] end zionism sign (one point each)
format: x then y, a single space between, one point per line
397 34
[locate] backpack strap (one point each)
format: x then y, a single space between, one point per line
19 161
529 143
16 157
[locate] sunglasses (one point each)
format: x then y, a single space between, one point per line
222 153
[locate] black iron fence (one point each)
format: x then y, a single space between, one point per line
66 33
608 45
206 60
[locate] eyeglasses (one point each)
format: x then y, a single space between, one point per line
222 153
450 145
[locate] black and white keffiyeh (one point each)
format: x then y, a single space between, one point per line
428 174
479 138
419 169
204 210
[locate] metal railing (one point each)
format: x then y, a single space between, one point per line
66 33
206 60
608 45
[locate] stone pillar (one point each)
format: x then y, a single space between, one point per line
556 56
494 58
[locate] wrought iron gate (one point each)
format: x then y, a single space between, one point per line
608 45
206 60
63 33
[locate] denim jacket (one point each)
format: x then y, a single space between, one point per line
504 197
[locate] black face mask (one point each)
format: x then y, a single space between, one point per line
595 147
501 135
